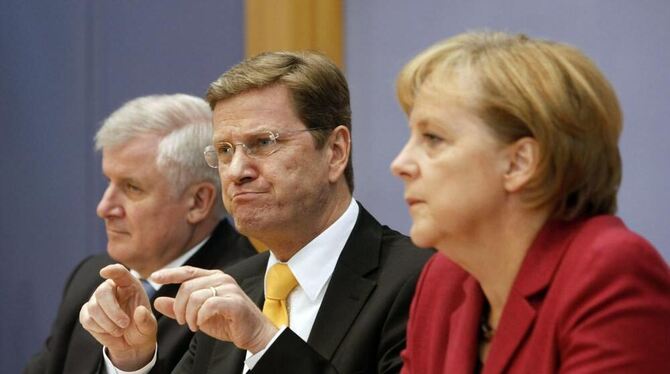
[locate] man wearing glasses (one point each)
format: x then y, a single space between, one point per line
161 209
333 292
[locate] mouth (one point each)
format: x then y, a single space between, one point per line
411 201
242 196
116 232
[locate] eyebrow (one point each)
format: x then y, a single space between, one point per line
245 135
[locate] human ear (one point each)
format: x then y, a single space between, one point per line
201 199
523 158
339 146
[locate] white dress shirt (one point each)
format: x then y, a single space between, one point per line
312 267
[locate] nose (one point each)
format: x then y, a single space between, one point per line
404 167
109 206
241 168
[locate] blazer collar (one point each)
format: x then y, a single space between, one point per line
349 288
532 281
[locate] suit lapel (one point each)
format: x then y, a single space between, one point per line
348 289
525 298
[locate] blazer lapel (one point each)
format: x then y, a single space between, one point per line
517 319
463 328
525 298
348 289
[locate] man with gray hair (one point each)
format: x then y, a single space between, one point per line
162 209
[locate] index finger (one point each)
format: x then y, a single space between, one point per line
119 274
179 275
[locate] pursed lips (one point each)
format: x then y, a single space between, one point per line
244 195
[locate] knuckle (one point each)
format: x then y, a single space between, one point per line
187 286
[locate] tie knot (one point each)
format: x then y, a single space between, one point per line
280 282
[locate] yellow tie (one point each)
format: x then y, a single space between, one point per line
280 281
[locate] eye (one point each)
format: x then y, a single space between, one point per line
264 141
131 188
431 139
225 149
262 145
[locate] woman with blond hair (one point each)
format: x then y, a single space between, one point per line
511 171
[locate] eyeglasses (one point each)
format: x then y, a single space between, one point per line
257 145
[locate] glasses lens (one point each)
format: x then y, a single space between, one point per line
210 157
262 144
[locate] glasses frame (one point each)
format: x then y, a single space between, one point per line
212 155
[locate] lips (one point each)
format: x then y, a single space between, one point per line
241 196
412 201
111 231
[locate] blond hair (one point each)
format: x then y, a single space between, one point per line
535 88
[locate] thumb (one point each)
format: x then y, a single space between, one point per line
165 305
145 322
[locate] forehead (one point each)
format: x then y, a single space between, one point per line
444 99
268 108
134 158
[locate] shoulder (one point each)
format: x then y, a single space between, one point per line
398 249
441 282
604 246
83 280
395 250
607 267
611 292
87 272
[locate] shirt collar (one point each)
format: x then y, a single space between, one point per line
313 265
179 261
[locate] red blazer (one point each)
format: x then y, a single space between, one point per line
590 297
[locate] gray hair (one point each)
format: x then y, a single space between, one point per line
183 122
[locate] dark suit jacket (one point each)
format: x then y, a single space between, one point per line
360 326
590 297
71 349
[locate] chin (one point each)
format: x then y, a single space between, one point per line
422 236
118 253
250 225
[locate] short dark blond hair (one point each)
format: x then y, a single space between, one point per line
549 91
318 90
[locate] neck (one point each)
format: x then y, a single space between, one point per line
198 233
291 240
494 257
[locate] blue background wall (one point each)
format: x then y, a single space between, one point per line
64 67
